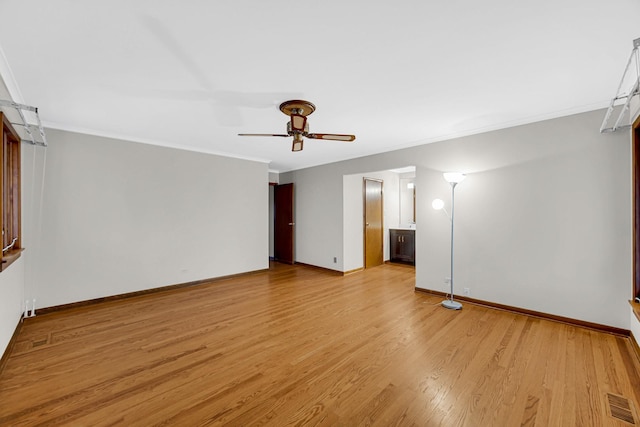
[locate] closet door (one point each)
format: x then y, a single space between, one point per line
373 227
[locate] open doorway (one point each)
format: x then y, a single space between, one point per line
394 203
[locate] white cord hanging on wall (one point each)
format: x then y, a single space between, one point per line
622 95
29 127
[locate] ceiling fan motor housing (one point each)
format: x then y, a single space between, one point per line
297 106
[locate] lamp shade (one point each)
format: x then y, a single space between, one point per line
454 177
437 204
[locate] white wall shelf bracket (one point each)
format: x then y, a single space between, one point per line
32 128
622 101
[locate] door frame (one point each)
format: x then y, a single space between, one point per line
635 155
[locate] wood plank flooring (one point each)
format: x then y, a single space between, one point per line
300 346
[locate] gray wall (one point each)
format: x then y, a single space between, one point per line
119 217
543 220
113 217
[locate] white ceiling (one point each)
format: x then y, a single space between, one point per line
195 73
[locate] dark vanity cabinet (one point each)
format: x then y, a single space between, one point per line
403 245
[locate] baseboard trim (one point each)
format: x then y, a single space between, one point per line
567 320
325 269
405 263
12 343
348 272
64 307
400 264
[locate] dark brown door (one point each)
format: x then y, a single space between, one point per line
283 223
372 223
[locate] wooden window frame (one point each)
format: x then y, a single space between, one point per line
11 206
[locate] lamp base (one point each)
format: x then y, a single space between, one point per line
453 305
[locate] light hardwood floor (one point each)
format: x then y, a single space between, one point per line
300 346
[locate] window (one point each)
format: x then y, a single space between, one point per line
10 213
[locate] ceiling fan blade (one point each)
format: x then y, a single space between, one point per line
332 136
263 134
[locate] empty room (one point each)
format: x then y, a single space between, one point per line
342 213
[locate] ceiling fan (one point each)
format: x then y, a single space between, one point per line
298 127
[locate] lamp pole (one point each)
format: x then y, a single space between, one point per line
452 179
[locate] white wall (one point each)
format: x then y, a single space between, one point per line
543 234
547 231
406 199
353 234
11 301
318 217
543 220
120 217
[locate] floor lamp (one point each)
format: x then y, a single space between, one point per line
453 179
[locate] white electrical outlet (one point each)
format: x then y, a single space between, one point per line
447 280
466 291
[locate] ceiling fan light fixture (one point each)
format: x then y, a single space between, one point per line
297 142
298 123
